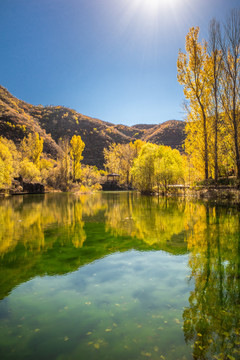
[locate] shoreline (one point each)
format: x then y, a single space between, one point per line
223 193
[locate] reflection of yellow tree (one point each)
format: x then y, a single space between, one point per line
153 220
212 320
27 221
7 241
77 232
92 203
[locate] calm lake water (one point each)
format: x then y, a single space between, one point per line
118 276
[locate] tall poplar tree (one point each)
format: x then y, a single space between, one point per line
193 75
215 68
230 47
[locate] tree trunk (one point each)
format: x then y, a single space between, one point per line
216 149
205 142
235 126
236 144
216 127
205 138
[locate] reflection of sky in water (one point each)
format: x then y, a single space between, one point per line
127 305
132 273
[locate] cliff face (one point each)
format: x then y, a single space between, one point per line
18 118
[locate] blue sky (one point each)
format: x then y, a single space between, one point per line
110 59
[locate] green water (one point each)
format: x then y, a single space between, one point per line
118 276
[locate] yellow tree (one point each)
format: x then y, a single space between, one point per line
6 165
29 171
31 148
16 156
230 47
143 168
138 144
168 166
76 148
64 163
194 142
119 158
193 75
215 67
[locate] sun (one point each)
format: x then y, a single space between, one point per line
151 5
154 6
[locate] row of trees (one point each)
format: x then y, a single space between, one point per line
210 74
22 161
28 161
142 165
145 166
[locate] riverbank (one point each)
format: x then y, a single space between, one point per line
217 193
208 193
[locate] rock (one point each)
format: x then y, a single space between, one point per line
33 188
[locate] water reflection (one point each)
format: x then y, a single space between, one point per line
28 220
39 234
212 319
156 221
58 233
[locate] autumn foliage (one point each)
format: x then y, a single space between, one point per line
209 72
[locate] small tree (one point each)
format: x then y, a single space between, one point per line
119 159
6 165
31 148
143 169
168 167
76 148
29 171
64 164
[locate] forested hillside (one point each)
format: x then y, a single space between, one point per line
18 118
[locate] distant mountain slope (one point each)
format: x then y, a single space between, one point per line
130 131
18 118
170 133
16 122
143 126
96 134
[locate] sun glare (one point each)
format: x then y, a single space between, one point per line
155 5
152 15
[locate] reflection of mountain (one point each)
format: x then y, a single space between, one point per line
212 319
41 235
57 233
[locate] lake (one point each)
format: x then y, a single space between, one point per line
118 276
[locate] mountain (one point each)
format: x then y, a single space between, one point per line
16 121
18 118
143 126
170 133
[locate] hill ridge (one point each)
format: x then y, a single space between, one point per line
18 118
